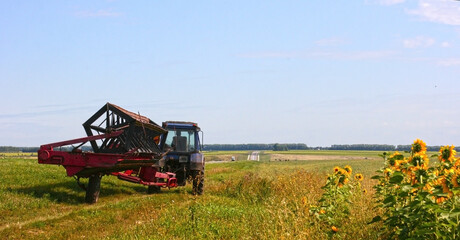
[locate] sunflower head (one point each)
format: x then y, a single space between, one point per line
387 172
418 146
336 169
359 177
419 159
348 169
447 153
397 156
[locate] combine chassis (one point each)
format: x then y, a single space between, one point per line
124 144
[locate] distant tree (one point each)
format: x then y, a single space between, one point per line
280 147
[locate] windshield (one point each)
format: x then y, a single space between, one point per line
181 140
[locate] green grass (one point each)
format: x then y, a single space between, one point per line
17 155
242 200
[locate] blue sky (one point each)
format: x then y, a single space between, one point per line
314 72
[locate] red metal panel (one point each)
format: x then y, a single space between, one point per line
147 174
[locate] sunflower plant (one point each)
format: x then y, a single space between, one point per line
334 204
419 201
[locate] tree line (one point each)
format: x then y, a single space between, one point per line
35 149
301 146
381 147
255 146
18 149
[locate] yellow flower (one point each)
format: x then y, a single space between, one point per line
359 177
387 172
343 171
348 169
454 181
365 191
322 211
447 153
336 169
419 159
418 146
397 156
440 199
334 229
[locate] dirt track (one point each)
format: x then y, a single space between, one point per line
295 157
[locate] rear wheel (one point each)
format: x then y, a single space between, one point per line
153 189
198 182
93 189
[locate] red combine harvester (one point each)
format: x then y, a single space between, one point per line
124 144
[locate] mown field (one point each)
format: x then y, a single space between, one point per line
242 200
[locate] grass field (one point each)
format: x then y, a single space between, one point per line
242 200
17 155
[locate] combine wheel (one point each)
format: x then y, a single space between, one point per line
93 189
198 182
153 189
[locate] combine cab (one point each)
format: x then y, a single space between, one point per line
127 145
184 157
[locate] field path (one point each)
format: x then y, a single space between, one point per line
254 156
283 157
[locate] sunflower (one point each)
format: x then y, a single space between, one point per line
398 164
418 146
359 177
397 156
440 199
348 169
447 153
419 159
454 181
387 172
336 169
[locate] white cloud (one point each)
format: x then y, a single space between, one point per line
445 44
419 41
449 62
99 13
440 11
357 55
